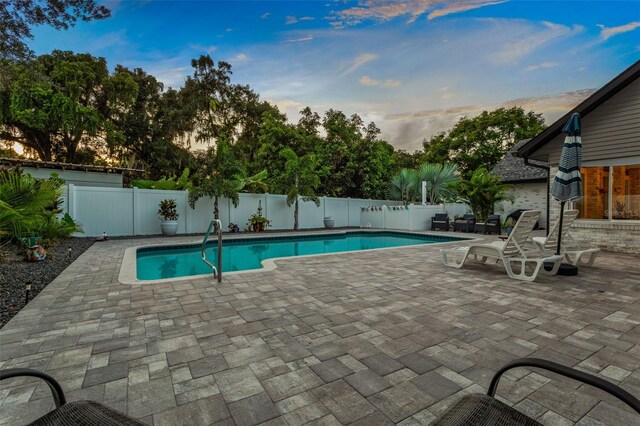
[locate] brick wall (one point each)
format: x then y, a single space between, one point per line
527 196
616 236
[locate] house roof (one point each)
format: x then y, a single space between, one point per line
512 169
23 162
599 97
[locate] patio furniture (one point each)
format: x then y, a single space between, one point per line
440 221
491 225
485 410
515 215
516 250
71 413
581 257
466 224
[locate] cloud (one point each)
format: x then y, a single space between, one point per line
199 47
359 61
241 57
608 32
293 20
368 81
461 6
299 40
386 10
524 44
540 66
265 15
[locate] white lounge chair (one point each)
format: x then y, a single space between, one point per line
575 256
517 249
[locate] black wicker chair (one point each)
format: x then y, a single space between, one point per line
493 225
440 221
485 410
466 224
86 413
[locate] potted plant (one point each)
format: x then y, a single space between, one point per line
329 222
168 216
257 222
508 225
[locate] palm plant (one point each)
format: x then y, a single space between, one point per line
441 179
482 191
403 186
29 206
301 178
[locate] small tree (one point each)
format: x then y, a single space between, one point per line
218 177
482 191
403 186
301 178
442 181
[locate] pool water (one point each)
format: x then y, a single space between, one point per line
160 262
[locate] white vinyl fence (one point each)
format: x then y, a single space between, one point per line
133 211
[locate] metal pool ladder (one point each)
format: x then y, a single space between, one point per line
217 271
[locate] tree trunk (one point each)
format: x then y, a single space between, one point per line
215 208
295 215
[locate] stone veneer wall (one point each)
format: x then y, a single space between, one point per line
528 196
619 237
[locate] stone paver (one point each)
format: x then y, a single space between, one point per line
377 337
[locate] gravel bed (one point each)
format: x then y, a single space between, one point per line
15 271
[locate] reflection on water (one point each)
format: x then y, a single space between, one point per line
169 267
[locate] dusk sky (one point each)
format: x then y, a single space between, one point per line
414 67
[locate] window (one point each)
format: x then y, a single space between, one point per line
610 192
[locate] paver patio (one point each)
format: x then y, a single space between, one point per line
368 338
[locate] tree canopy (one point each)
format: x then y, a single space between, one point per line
18 17
482 141
70 107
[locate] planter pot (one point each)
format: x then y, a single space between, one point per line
257 227
169 227
329 222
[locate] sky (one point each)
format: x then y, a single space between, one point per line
414 67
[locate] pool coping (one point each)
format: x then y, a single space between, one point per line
128 268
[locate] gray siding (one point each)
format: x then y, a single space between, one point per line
78 177
610 131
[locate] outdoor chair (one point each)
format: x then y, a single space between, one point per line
466 224
486 410
575 256
515 251
491 225
88 413
440 221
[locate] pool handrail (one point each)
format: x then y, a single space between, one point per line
217 271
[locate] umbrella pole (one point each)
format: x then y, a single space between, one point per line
560 226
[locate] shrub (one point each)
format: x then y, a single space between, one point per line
29 207
168 210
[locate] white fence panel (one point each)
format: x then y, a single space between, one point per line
147 220
310 215
280 214
338 209
198 219
457 209
397 217
100 209
248 205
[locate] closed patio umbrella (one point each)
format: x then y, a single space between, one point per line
567 184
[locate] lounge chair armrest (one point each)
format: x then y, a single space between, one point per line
56 389
571 373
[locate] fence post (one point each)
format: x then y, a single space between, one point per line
71 199
136 206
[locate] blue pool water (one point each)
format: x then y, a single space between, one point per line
161 262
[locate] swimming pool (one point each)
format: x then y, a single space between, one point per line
242 254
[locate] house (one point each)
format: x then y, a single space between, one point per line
610 209
529 183
74 174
